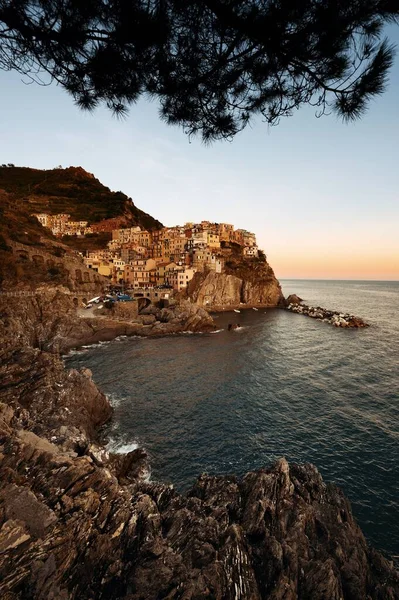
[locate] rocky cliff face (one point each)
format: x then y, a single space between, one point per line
216 290
49 400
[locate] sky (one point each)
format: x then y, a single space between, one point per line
321 196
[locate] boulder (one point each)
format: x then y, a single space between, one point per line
293 299
131 466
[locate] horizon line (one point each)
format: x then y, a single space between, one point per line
332 279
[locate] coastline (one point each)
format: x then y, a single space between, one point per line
71 509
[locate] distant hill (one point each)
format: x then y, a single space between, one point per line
72 190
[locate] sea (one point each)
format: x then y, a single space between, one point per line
282 384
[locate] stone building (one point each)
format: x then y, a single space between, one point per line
180 278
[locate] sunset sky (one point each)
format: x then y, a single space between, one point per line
321 196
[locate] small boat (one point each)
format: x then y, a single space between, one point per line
236 310
253 308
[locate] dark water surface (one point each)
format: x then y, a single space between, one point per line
283 385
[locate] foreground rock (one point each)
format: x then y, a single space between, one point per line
77 523
63 405
70 530
322 314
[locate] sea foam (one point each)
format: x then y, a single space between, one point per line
118 447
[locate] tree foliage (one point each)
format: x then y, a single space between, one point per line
212 64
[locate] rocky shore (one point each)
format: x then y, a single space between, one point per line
78 523
50 321
123 319
338 319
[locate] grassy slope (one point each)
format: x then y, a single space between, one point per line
72 191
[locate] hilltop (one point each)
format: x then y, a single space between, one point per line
74 191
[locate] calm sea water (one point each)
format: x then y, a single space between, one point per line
283 385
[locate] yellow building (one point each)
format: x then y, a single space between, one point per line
140 273
213 240
105 268
180 279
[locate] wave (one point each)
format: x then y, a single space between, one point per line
115 399
76 352
118 447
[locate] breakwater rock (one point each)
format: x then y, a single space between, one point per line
338 319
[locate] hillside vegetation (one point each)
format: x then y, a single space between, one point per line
246 268
72 191
17 225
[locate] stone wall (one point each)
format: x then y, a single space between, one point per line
79 276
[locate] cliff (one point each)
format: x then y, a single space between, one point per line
246 281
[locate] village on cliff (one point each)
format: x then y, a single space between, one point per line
168 257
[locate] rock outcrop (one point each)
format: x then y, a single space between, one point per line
69 529
49 400
38 319
223 290
293 299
